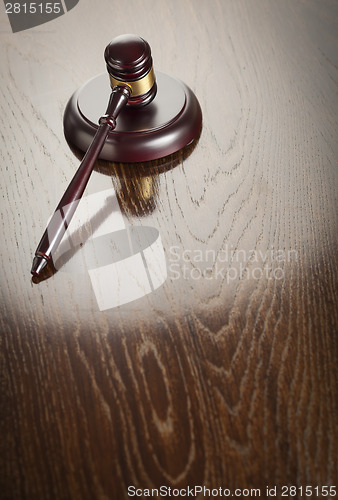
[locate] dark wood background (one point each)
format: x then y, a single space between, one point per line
215 382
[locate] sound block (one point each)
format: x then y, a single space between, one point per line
171 121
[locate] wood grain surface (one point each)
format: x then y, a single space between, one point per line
224 376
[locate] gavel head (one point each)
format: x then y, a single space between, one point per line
129 62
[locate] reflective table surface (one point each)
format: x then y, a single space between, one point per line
187 335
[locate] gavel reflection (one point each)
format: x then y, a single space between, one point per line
137 185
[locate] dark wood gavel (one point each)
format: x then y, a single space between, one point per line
132 78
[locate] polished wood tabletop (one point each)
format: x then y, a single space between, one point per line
205 356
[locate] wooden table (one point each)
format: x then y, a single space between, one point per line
225 375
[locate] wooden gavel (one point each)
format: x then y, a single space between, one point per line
133 86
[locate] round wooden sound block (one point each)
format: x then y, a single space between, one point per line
170 122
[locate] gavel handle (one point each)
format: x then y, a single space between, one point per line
66 208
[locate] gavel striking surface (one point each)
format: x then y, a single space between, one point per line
165 125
